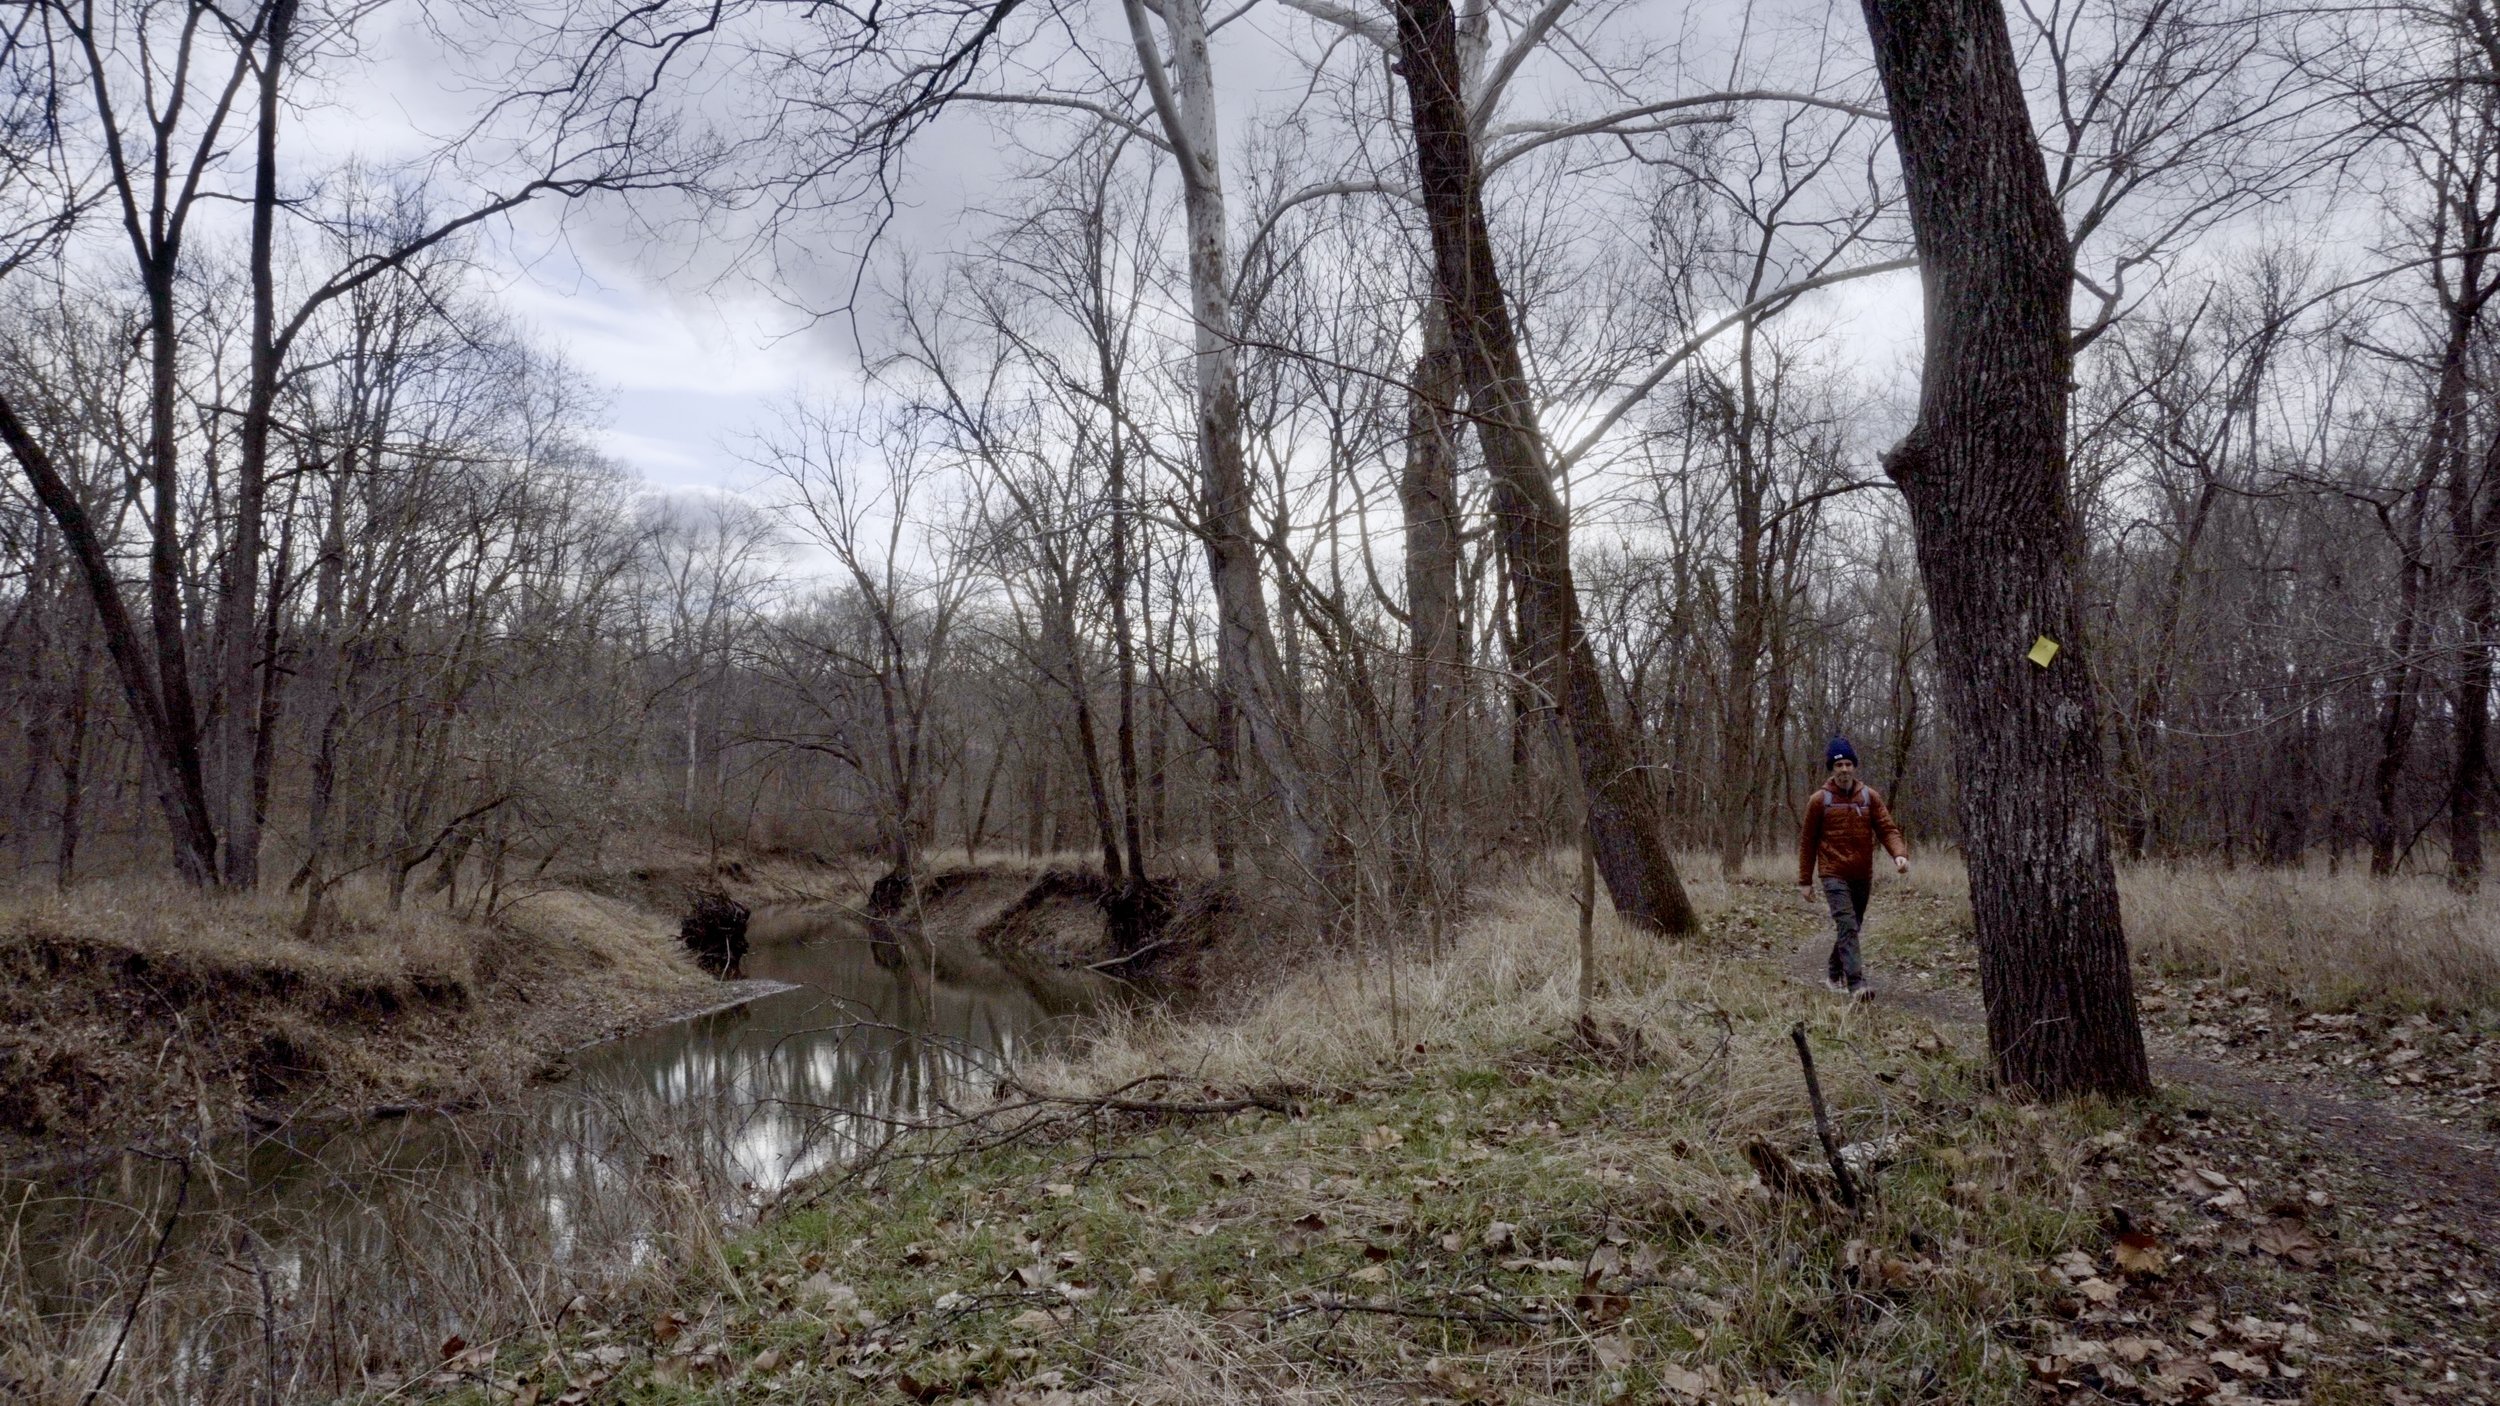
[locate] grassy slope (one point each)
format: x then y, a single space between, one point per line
148 1013
1468 1206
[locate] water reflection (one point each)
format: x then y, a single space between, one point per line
315 1258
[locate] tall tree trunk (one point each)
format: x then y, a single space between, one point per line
1123 636
1062 607
238 622
1437 738
1740 711
1428 502
1622 810
171 753
1999 543
2395 690
74 771
1248 670
2475 515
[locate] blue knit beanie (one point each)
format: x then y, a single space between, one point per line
1839 750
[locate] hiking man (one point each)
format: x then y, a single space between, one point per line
1843 819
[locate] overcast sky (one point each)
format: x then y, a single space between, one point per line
694 364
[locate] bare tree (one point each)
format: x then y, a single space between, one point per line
1985 473
873 657
1623 818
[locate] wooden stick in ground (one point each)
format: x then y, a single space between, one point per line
147 1279
1822 1120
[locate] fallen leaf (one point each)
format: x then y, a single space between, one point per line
819 1290
2239 1362
2140 1254
1500 1235
2288 1240
2132 1349
2186 1371
1686 1383
1600 1308
1612 1352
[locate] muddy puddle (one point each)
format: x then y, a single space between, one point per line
305 1262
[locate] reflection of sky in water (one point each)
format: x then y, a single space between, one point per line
407 1222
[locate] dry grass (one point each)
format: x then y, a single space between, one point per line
303 1268
152 1013
1428 1222
156 1017
2333 941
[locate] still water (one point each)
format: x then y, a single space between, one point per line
320 1258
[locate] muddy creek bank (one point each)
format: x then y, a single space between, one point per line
332 1254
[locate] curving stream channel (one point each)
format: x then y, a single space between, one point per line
312 1261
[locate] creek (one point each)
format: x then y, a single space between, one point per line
314 1259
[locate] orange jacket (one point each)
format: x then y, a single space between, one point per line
1839 833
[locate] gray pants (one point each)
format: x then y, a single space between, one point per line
1847 898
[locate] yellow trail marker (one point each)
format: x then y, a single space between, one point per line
2043 650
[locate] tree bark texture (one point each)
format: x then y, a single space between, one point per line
1622 808
2474 523
2396 686
238 615
1248 669
1429 508
1999 543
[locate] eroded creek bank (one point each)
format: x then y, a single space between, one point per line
335 1251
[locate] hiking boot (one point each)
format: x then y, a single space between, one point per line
1858 989
1833 983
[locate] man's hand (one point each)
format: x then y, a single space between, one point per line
1901 864
1808 891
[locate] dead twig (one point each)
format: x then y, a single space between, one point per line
1848 1186
1114 1102
1500 1317
147 1278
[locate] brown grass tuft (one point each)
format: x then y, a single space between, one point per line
2338 941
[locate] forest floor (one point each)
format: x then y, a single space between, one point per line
1421 1179
145 1014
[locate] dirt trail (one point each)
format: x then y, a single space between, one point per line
2420 1199
2414 1161
2416 1199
